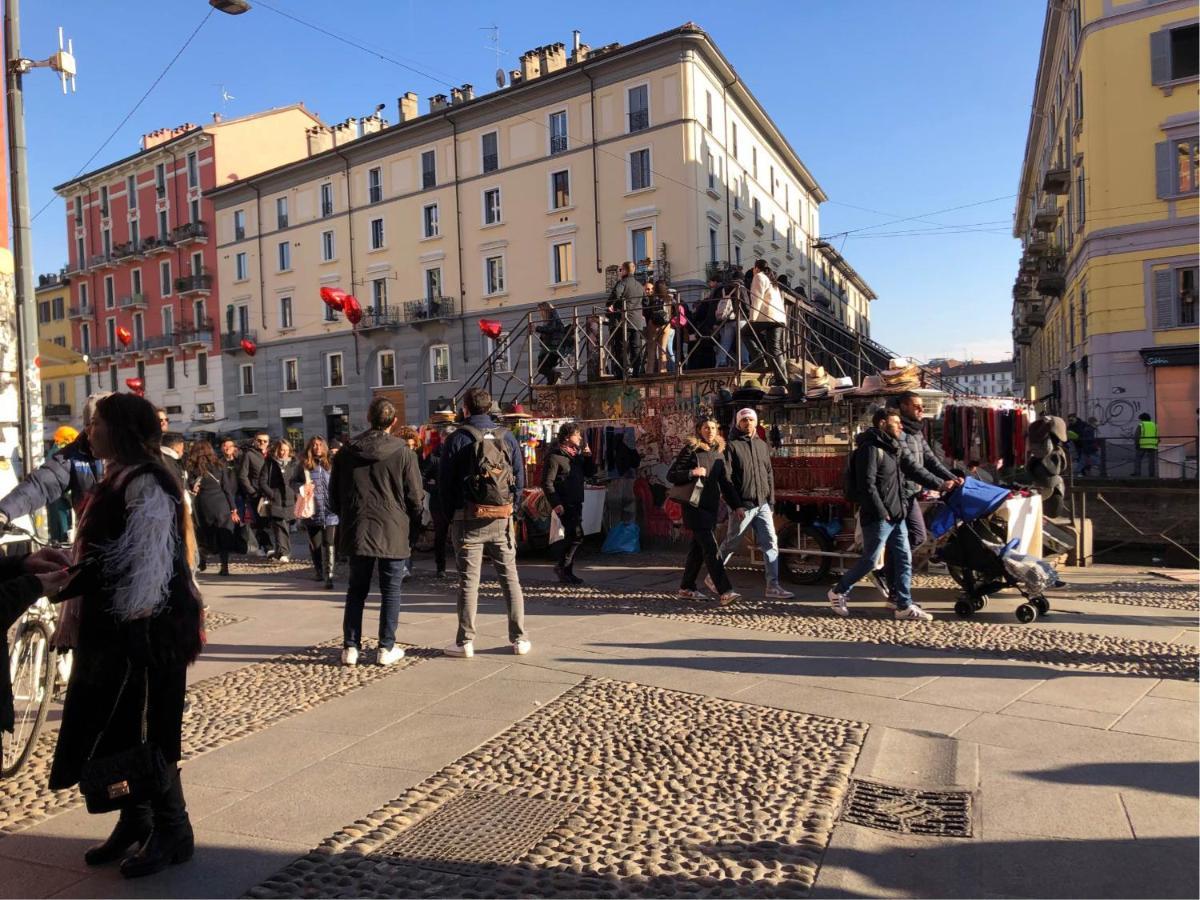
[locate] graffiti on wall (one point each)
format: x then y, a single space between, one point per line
1116 413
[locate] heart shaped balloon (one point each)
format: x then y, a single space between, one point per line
352 309
491 328
249 346
124 335
333 297
137 385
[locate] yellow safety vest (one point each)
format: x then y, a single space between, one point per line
1147 435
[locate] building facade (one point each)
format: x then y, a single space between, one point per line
1104 312
142 261
61 367
653 152
987 379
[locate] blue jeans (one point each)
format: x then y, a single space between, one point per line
391 575
877 535
762 520
728 341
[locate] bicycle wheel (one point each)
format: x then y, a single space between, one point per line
31 666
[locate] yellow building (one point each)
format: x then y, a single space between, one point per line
1105 303
654 152
61 366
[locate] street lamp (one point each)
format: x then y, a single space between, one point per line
230 7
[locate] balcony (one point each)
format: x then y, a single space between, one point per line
159 343
198 335
1052 280
101 261
1034 314
1037 244
57 410
428 308
232 341
126 251
1057 181
133 301
558 144
155 245
639 120
386 317
193 284
1023 335
103 351
81 312
491 162
191 233
1047 216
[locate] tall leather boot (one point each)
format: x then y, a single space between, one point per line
132 830
318 561
330 560
171 842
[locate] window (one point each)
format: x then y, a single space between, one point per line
193 170
772 181
239 224
83 296
563 256
194 210
558 132
491 155
85 339
164 278
106 242
168 320
560 190
429 220
710 168
246 381
708 106
326 200
387 368
104 201
200 318
169 369
110 296
1173 54
291 375
639 107
379 294
754 162
327 247
241 267
639 169
164 227
712 244
491 206
243 318
78 210
642 245
281 212
285 313
197 263
733 134
285 255
202 369
377 234
131 191
374 185
139 330
1080 198
135 235
80 260
1186 287
160 179
334 376
330 313
1078 97
428 169
433 284
493 275
135 282
43 312
501 362
756 204
439 363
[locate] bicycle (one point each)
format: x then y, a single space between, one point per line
35 670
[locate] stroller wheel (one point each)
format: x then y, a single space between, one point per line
980 602
1042 604
964 608
1027 613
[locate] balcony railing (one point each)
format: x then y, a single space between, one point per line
639 119
81 312
429 308
191 284
103 351
1057 181
99 260
387 317
133 301
57 410
491 162
192 231
126 250
1051 280
197 335
1047 216
1023 335
157 245
232 340
558 144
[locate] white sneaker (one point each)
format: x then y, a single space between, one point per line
283 559
777 592
837 603
521 647
460 651
390 656
913 613
349 656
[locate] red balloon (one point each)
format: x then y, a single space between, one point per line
137 385
352 309
249 346
491 328
124 335
333 297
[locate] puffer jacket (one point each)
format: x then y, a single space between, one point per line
564 478
750 470
880 467
912 439
72 470
717 483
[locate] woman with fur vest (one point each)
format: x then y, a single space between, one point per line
702 461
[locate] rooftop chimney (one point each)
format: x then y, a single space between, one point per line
575 42
320 139
438 102
374 123
409 109
345 132
553 57
531 66
515 76
468 92
455 96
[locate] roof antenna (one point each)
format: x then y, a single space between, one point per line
494 42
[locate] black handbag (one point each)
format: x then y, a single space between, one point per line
689 492
127 778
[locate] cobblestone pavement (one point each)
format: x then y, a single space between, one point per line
1026 643
1163 595
223 708
612 790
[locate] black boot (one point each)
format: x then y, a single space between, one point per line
131 830
224 563
330 562
171 842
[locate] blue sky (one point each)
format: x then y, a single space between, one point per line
901 109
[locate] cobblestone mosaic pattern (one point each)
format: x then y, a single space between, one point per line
223 708
908 811
675 795
1162 595
872 623
214 620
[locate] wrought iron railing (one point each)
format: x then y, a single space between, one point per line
429 308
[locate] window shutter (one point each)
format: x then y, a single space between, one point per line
1164 306
1160 57
1163 171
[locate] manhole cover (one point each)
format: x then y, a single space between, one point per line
477 829
944 813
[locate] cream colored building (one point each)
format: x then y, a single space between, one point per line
484 206
60 365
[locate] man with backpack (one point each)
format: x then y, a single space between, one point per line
482 477
875 479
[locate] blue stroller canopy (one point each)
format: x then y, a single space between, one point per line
973 500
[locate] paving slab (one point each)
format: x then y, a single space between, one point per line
262 759
1177 690
422 742
30 879
1155 815
966 692
499 698
1090 718
906 758
1103 693
1158 716
1055 740
366 710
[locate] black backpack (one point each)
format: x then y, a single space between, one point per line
490 478
850 478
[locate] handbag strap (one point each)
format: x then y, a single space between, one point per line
117 702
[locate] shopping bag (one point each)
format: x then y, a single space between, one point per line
622 538
557 532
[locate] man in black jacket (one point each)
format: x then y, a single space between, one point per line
375 487
880 465
751 473
912 439
626 322
563 481
249 471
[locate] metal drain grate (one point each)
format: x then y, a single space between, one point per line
908 811
477 829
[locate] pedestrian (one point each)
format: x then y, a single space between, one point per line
376 491
416 525
135 629
172 451
1090 445
322 524
626 323
753 478
164 423
430 474
483 476
702 462
768 318
253 459
551 334
879 465
277 487
213 487
726 316
1146 435
912 439
58 512
564 484
656 309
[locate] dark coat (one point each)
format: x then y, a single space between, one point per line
376 492
154 651
626 297
912 438
277 482
249 470
458 457
17 592
72 470
717 482
564 478
551 333
216 498
750 469
880 467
